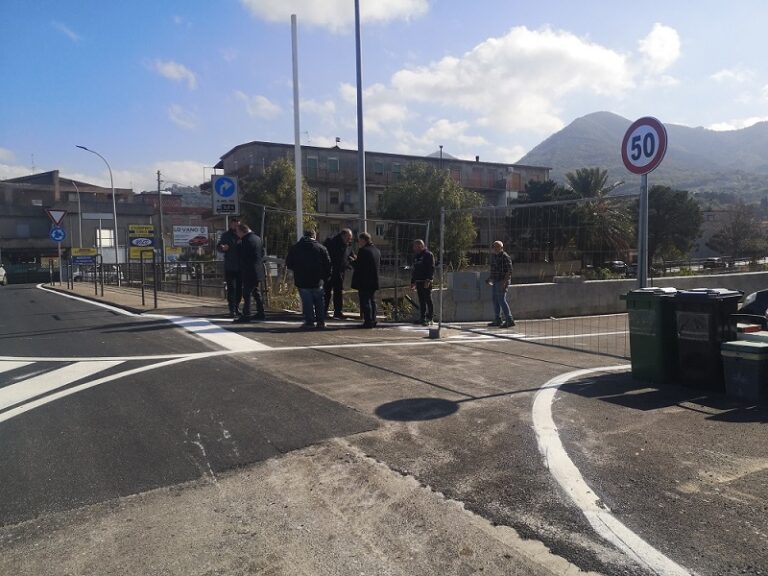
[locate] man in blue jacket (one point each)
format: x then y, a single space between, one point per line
311 266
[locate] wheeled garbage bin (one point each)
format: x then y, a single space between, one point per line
652 336
703 324
746 370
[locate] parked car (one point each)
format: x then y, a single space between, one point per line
3 276
616 266
714 263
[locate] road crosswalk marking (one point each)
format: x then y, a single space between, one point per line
48 381
8 366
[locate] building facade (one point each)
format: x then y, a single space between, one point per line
332 172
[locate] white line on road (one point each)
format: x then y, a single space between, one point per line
43 383
13 412
572 482
12 365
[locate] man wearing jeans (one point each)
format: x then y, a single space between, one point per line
501 275
311 266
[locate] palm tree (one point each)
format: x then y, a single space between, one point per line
605 227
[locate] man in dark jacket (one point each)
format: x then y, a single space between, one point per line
499 280
252 272
339 249
365 278
229 246
422 275
311 267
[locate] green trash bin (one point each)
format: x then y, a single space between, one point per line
746 370
652 336
703 324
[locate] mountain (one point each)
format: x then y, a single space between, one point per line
697 159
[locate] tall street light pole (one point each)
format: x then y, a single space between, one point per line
114 209
162 228
360 144
79 216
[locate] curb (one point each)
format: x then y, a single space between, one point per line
131 309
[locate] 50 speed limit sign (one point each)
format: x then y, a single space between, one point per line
644 145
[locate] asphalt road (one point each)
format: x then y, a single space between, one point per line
353 451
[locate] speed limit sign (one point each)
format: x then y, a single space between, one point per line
644 145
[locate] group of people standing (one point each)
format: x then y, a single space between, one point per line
319 270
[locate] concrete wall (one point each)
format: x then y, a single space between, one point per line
468 298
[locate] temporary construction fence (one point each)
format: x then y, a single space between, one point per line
564 241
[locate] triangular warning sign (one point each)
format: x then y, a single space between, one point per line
56 216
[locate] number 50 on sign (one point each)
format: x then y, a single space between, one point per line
644 145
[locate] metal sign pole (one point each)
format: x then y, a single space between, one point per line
442 268
642 234
297 130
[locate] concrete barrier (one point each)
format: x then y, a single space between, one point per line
571 298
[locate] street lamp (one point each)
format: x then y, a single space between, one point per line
114 209
79 215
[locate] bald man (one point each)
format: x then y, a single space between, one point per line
501 275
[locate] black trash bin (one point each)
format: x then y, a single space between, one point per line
703 324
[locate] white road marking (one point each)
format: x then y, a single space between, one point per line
570 336
206 330
9 365
572 482
86 301
13 412
49 381
29 359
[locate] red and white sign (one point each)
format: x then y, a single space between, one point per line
644 145
56 216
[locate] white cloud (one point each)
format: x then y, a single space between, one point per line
181 117
511 155
737 124
336 15
8 171
7 155
736 75
67 31
325 111
514 82
660 49
259 106
175 71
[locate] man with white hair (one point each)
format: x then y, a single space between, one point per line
499 279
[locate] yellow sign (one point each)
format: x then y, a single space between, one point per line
83 252
134 253
141 230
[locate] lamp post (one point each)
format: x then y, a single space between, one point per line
79 216
114 210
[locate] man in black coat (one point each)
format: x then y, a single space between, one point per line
339 249
421 279
311 267
252 272
365 278
229 245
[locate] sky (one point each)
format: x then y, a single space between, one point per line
173 85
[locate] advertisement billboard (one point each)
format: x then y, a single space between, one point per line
190 236
141 238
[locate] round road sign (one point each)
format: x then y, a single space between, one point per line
57 234
644 145
224 186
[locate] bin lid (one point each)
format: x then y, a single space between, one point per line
745 350
651 292
708 293
761 336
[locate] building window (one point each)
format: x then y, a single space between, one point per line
312 166
72 197
347 197
105 238
395 168
378 168
333 197
22 230
380 230
333 165
36 202
380 201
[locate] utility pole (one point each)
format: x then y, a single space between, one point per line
160 206
360 144
297 131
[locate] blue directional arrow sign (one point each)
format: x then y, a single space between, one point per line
57 234
225 197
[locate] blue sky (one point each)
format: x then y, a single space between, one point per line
173 85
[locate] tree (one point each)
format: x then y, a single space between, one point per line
420 194
674 222
605 226
742 235
542 231
276 188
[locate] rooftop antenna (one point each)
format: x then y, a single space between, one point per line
33 163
